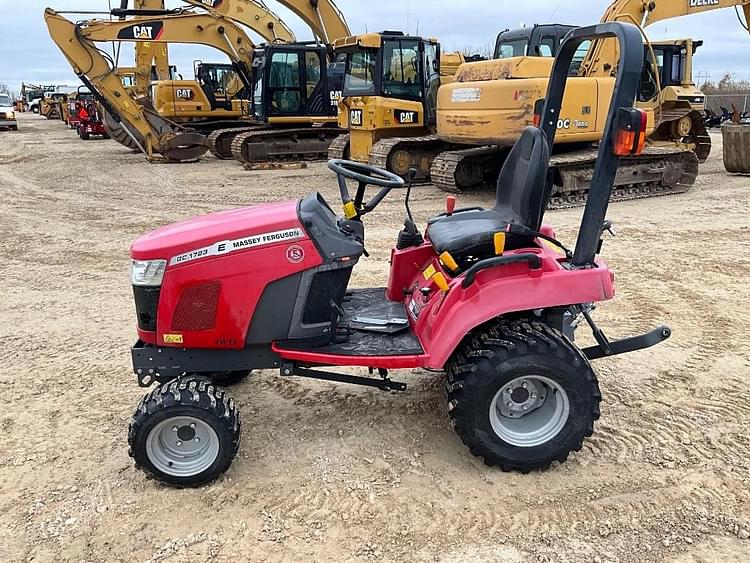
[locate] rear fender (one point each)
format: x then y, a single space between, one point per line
449 317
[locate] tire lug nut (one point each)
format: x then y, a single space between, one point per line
525 385
179 443
174 429
192 425
526 407
197 439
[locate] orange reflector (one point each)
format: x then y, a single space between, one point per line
537 120
448 261
499 244
441 282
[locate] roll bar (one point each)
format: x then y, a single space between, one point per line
623 96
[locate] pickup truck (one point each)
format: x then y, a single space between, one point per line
7 113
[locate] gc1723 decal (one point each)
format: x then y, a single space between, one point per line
226 246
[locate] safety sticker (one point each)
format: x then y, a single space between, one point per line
227 246
462 95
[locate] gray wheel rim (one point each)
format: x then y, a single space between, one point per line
182 446
529 411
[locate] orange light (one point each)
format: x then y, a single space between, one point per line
537 120
631 139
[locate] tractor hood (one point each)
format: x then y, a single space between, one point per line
240 228
505 69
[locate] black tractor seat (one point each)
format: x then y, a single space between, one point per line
523 190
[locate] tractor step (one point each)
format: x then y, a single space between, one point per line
384 384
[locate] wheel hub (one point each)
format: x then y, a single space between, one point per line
520 397
182 446
529 411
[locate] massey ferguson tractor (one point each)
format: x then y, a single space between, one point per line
489 296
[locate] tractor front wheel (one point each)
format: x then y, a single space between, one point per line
185 432
521 395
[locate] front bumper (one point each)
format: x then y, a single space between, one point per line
8 123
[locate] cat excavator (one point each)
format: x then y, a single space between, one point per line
481 115
153 134
213 99
303 101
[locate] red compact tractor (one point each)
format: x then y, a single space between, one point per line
487 295
90 122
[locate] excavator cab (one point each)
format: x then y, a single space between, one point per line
292 81
538 41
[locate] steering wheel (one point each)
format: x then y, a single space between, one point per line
366 175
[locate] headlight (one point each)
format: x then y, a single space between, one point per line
147 273
12 115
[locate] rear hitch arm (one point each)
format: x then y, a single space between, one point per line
606 347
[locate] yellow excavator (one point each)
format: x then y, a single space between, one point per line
305 106
151 132
297 87
390 92
481 115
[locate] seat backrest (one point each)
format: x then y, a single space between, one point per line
523 187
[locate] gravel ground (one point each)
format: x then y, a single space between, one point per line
340 473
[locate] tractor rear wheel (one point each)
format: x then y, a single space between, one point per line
185 432
521 395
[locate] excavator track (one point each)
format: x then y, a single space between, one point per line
399 154
472 169
274 145
220 141
339 146
659 171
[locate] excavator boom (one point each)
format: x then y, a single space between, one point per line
255 15
602 56
322 16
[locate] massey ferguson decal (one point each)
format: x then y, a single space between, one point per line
405 117
142 32
227 246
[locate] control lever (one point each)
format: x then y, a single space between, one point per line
450 205
609 227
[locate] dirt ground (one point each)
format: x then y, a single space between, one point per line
340 473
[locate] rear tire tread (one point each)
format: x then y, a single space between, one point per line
496 344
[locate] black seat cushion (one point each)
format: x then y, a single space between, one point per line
522 193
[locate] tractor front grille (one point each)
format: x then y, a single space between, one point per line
196 308
146 305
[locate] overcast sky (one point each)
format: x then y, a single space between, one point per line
27 53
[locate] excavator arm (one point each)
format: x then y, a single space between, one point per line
149 54
602 58
255 15
322 16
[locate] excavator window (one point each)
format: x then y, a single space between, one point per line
312 70
515 48
360 73
284 82
402 70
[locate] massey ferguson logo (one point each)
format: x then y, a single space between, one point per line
145 32
356 118
184 93
406 117
701 3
